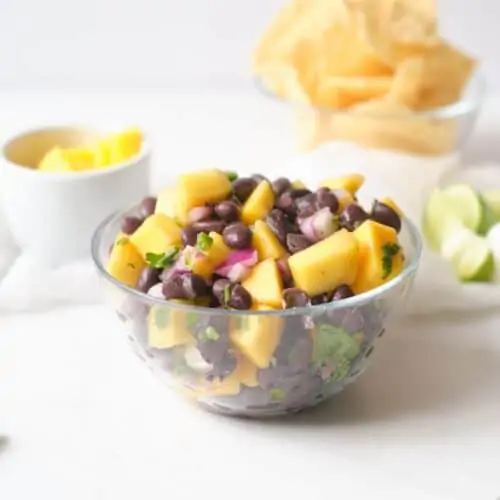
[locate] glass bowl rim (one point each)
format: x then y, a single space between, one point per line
350 302
463 107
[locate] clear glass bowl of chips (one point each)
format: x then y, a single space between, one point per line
317 351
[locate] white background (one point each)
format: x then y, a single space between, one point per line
162 43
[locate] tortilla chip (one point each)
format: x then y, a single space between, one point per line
433 80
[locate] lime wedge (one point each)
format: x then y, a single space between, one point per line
470 256
492 199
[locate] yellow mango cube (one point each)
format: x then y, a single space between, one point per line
350 182
124 145
265 242
196 189
157 234
392 204
380 256
168 327
265 284
165 202
327 264
259 203
60 160
125 263
298 185
257 336
205 264
101 154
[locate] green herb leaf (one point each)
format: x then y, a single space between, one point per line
227 293
210 333
191 320
333 344
122 241
204 242
162 260
277 394
232 176
389 251
162 318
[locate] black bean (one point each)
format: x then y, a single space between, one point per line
243 188
131 224
221 291
386 215
281 185
295 297
173 288
353 321
326 199
352 216
323 298
237 236
297 242
228 211
342 292
148 277
306 206
148 206
194 286
240 298
277 222
206 226
189 236
286 274
259 178
299 193
224 367
286 203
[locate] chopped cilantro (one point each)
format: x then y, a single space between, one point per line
204 242
227 293
333 344
389 251
162 318
232 176
191 320
129 264
122 241
210 333
162 260
277 394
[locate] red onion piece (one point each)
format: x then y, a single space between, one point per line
198 214
319 225
156 291
183 264
241 258
238 272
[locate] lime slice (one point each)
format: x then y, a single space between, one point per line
470 255
492 199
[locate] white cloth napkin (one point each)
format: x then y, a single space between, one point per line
26 285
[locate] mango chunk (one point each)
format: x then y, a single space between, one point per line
392 204
380 256
157 234
101 154
125 262
123 145
265 284
257 336
259 204
266 243
205 264
61 160
199 188
168 327
326 264
298 185
165 202
351 183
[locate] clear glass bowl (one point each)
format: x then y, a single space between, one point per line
437 132
317 350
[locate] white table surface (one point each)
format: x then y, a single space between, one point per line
85 420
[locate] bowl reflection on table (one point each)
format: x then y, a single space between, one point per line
317 350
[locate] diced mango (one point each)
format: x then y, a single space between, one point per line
298 185
74 159
265 242
257 336
350 182
101 154
392 204
259 204
125 262
157 234
326 264
168 327
265 284
165 202
379 258
199 188
205 264
124 145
